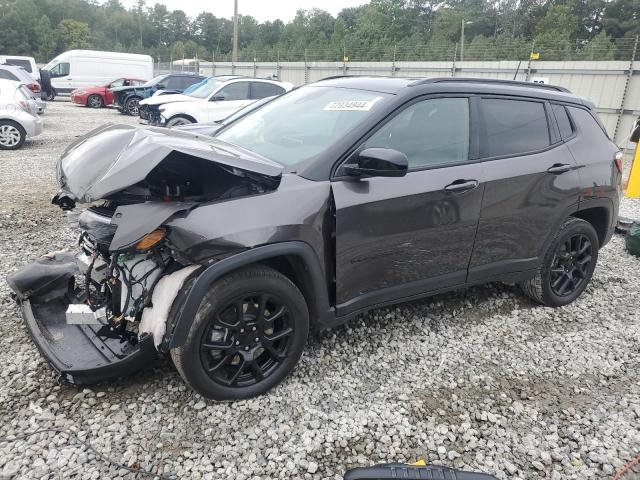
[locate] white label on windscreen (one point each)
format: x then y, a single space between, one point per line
351 105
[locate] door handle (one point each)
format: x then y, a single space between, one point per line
558 168
461 185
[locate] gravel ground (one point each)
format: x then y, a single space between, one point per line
480 379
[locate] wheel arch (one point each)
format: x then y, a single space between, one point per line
296 260
600 219
183 115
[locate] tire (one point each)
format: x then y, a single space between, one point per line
131 106
179 120
12 135
222 355
566 269
95 101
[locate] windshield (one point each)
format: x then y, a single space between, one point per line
155 81
206 89
302 124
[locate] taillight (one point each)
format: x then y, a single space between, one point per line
618 161
34 87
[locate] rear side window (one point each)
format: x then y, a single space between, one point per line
262 90
188 81
566 129
7 75
588 125
512 127
173 83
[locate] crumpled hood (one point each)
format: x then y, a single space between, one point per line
115 156
170 98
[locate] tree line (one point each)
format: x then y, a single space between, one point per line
377 30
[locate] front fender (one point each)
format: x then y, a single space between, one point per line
179 325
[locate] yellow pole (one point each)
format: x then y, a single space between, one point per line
633 187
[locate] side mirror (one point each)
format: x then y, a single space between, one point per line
379 162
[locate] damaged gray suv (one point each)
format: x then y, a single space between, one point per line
337 197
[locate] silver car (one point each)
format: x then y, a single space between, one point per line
18 115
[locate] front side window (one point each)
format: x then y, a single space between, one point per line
512 127
234 91
302 124
173 83
121 82
60 70
430 132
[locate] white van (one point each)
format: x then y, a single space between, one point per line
87 68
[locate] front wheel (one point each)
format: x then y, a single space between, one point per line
567 266
179 120
95 101
12 135
246 337
132 106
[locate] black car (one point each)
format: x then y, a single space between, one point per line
333 199
126 99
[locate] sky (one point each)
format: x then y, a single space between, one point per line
262 10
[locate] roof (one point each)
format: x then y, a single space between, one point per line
395 85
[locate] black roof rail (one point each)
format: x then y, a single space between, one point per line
496 81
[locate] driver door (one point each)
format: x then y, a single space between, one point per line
227 100
401 237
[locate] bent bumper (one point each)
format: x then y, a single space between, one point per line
81 354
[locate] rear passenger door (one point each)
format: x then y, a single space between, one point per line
531 185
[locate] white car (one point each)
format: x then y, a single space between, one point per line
213 101
18 115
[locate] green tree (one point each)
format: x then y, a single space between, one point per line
72 34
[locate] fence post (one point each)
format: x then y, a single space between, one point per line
213 64
393 62
278 64
255 67
306 67
171 64
344 60
453 64
528 77
626 89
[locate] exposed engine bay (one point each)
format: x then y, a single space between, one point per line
102 311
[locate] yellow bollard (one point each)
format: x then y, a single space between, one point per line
633 187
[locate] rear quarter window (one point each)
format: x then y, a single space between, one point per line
512 127
26 64
587 124
7 75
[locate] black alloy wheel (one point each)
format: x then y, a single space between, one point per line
246 340
567 265
571 265
247 336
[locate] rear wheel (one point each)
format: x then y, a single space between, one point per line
179 120
567 266
247 336
12 135
95 101
132 106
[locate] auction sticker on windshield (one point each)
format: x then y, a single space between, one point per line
351 105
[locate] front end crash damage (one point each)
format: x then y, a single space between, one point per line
102 312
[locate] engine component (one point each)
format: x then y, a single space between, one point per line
81 314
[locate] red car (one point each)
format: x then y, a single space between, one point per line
97 97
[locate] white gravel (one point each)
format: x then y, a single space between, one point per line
479 379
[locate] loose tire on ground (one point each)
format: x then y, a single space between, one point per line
546 286
215 347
